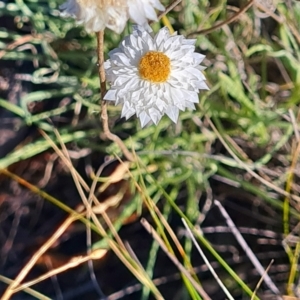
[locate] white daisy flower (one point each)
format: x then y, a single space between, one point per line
154 75
95 15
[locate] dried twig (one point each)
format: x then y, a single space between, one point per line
262 279
226 22
168 9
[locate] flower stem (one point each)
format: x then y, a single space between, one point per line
104 115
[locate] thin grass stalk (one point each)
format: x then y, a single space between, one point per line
293 271
173 258
225 290
289 183
161 219
25 270
262 279
158 217
29 291
203 240
248 250
168 9
75 262
121 252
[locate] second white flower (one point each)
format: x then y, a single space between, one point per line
96 15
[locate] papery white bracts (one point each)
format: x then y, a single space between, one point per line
152 75
96 15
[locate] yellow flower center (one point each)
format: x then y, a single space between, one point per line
155 67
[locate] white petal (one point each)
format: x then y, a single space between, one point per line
155 115
173 113
136 12
191 96
110 95
156 4
190 105
144 119
127 110
202 86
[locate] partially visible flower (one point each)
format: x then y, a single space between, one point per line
95 15
154 75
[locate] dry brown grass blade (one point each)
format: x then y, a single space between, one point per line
118 247
80 183
262 279
25 39
26 290
101 207
175 240
74 262
173 258
25 270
